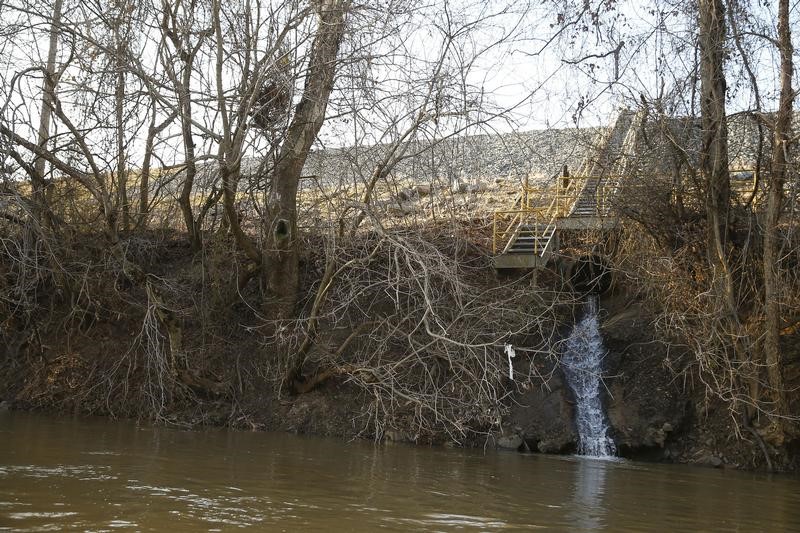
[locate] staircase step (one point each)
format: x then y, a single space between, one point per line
528 245
522 252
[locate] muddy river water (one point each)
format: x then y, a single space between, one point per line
76 474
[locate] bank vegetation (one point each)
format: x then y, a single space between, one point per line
166 254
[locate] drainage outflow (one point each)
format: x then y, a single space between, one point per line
582 363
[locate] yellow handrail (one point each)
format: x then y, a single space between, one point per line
567 192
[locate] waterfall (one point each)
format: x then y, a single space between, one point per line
582 367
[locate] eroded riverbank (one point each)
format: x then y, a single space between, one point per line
371 379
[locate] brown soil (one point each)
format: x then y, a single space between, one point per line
81 360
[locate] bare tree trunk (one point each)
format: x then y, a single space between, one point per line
772 351
153 130
185 199
119 103
190 172
714 169
48 88
144 182
185 55
281 254
229 155
144 179
714 152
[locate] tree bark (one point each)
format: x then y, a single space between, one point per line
119 103
48 88
190 171
144 179
184 56
144 182
716 177
281 253
714 151
775 184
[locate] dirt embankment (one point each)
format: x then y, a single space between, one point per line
396 371
89 359
659 407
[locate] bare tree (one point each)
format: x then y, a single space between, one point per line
48 88
775 200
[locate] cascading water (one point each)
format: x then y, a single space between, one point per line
582 366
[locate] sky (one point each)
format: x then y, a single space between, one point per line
510 65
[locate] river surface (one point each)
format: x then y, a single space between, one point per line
96 475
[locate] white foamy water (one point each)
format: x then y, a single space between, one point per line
582 362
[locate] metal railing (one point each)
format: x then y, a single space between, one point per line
563 201
597 191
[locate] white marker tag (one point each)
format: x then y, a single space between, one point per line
511 354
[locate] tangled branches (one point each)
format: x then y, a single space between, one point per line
28 263
722 350
416 324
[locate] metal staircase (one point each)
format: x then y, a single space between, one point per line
531 239
578 202
586 204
